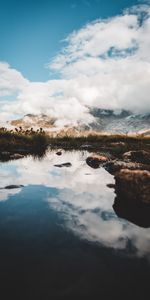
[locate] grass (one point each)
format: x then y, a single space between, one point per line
116 144
22 142
37 141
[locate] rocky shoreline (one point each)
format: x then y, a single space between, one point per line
131 171
132 184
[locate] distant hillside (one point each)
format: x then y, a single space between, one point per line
105 121
36 121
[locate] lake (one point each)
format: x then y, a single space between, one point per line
60 237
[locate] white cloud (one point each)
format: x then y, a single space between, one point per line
82 204
105 64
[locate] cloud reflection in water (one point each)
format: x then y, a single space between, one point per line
83 198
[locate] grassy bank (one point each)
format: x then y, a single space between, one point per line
22 142
36 141
117 144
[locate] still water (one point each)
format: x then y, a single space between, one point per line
60 237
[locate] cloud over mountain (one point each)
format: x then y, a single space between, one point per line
105 64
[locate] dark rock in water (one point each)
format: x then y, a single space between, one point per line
59 153
140 156
134 185
111 185
68 164
95 161
13 186
116 165
137 213
132 201
16 156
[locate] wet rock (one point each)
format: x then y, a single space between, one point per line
138 213
133 185
140 156
116 165
132 200
16 156
111 185
95 161
13 186
68 164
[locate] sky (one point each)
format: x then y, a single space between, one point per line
55 55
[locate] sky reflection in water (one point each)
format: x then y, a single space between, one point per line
80 195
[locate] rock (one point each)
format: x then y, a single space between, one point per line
16 156
96 160
111 185
68 164
59 153
132 200
116 165
9 187
136 212
133 185
140 156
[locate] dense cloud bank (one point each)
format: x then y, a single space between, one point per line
105 64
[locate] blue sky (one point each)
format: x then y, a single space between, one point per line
31 31
104 61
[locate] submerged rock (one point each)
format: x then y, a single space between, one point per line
95 161
68 164
140 156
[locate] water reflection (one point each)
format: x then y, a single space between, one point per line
82 198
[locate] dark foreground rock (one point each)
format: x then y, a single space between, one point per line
68 164
95 161
132 200
116 165
140 156
136 213
134 185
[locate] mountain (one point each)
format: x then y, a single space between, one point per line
35 121
122 122
105 121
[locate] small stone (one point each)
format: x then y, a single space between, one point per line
13 186
68 164
59 153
